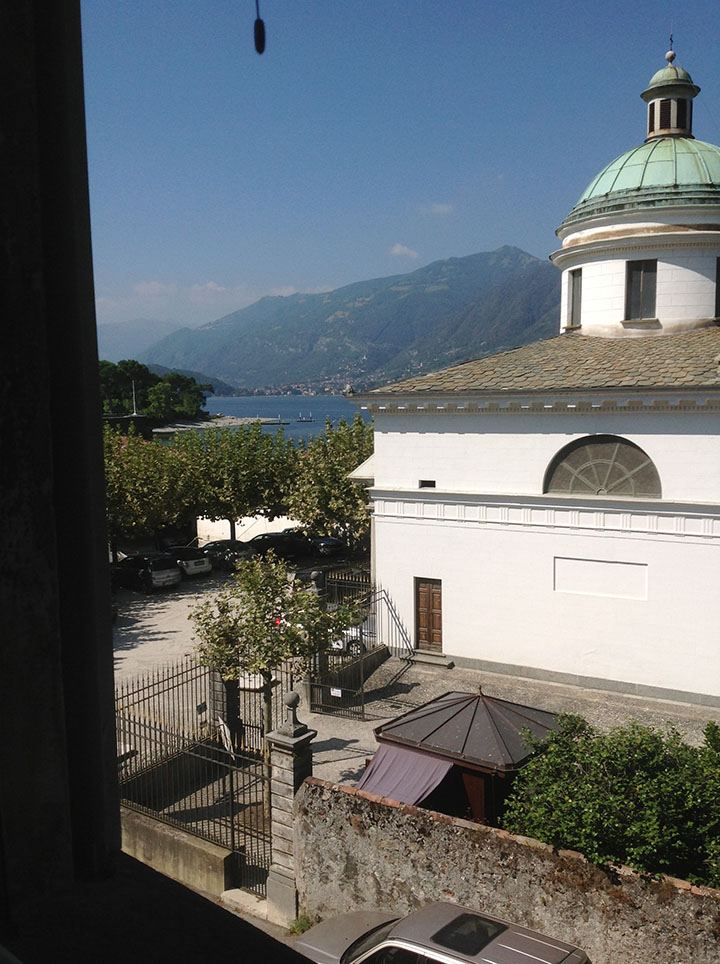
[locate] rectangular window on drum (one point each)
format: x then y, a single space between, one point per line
681 114
640 288
665 114
575 298
651 117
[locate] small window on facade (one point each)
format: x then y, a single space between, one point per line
681 113
575 298
640 287
665 113
427 483
651 117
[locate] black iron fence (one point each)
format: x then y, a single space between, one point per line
191 753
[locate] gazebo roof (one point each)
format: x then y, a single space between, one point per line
472 729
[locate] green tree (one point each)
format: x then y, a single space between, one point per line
148 485
246 472
633 795
323 498
171 396
262 618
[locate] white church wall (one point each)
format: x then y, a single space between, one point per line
509 454
624 606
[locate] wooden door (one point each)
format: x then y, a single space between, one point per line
428 620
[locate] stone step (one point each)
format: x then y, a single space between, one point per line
433 659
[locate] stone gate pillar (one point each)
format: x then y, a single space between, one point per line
290 763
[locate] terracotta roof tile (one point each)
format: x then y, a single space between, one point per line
574 361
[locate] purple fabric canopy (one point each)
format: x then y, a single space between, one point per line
407 776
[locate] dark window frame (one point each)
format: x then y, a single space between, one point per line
641 289
575 281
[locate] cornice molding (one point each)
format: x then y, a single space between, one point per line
545 406
594 248
663 521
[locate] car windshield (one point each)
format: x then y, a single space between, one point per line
366 943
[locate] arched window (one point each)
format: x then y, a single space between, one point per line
603 465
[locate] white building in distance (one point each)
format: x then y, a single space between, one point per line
554 511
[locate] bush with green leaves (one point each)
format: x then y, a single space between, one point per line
634 795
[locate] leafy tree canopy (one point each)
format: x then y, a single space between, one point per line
323 498
262 618
163 397
148 485
634 795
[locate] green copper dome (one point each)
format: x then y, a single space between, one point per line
670 75
662 172
670 170
661 162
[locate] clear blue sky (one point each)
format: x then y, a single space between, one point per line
371 138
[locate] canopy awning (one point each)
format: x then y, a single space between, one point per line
407 776
470 729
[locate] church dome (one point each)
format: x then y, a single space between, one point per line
670 75
670 170
662 172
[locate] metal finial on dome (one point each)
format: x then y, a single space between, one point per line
670 56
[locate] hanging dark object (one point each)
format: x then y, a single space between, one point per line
259 30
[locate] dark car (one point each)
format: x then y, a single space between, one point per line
225 553
439 932
191 560
147 572
328 545
285 545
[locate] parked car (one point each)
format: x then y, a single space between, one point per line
191 560
356 639
285 545
225 553
153 570
439 932
328 545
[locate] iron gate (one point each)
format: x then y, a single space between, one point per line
182 762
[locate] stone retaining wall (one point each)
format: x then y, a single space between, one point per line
356 851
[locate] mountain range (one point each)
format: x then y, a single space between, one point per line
376 331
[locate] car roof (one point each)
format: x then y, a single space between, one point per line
511 945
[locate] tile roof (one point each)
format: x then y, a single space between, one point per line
575 361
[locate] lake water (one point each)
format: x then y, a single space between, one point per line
288 408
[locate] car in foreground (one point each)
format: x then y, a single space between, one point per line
226 553
191 560
148 571
440 932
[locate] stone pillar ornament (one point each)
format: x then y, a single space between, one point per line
290 763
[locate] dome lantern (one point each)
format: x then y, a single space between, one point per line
669 97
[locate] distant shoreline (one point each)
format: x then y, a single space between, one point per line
215 421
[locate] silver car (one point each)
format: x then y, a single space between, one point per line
440 932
